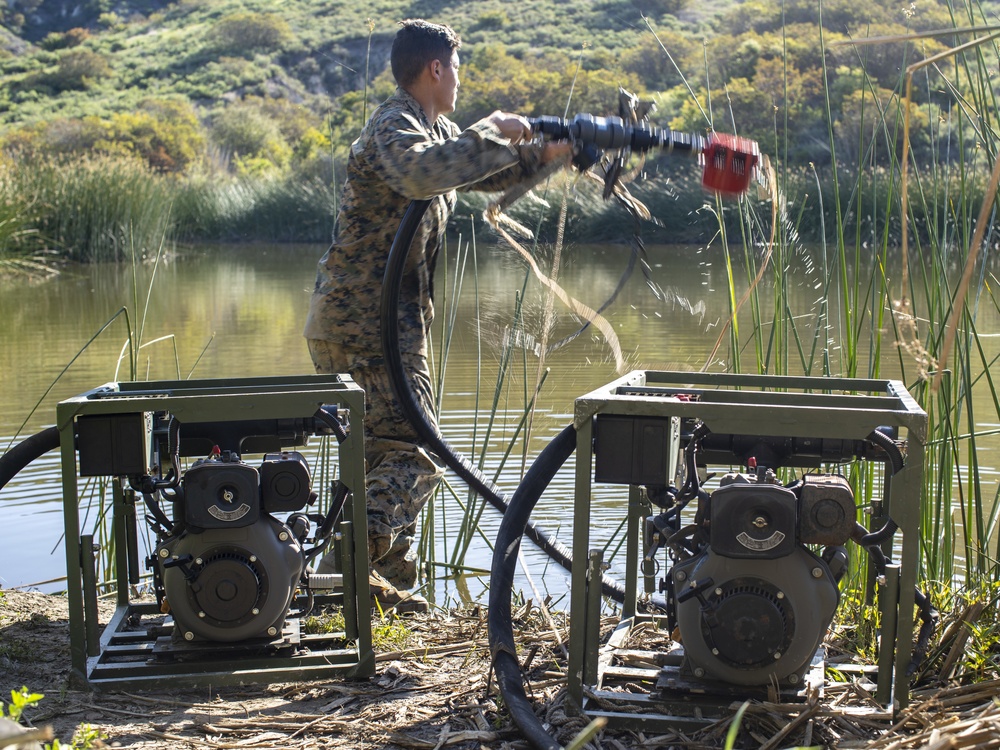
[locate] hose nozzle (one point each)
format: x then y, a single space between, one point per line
730 162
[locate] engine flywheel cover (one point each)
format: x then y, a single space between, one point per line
751 626
230 587
760 621
239 584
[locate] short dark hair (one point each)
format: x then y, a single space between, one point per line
416 44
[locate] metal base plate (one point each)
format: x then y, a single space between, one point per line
646 687
170 647
138 650
674 682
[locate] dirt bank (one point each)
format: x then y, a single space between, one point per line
433 695
434 692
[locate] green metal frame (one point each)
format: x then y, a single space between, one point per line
765 405
121 655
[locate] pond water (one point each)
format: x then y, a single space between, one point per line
238 311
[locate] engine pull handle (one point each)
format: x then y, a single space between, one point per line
730 162
708 609
696 589
184 563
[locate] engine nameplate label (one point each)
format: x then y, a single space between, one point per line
228 515
760 545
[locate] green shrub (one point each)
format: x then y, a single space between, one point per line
648 62
59 136
110 20
66 40
272 130
164 132
245 133
492 20
78 69
247 33
659 7
13 20
495 79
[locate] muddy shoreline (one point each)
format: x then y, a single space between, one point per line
435 692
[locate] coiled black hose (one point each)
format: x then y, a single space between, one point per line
27 451
516 511
428 431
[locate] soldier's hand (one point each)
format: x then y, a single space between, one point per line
513 127
554 150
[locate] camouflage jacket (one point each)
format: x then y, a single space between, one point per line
400 157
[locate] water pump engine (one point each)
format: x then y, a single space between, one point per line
752 600
230 568
737 526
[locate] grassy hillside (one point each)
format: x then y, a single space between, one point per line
309 51
308 64
254 103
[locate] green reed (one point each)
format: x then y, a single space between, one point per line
90 208
883 310
98 208
258 208
16 232
95 495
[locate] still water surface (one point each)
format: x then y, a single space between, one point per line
238 311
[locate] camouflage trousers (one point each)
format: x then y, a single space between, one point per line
401 473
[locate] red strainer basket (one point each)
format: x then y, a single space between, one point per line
730 163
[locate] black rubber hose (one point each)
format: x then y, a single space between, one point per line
499 620
928 624
325 528
166 527
27 451
928 615
886 443
428 431
866 539
861 535
338 429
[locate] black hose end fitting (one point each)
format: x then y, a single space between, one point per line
586 156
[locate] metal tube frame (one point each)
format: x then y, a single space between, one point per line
213 401
764 405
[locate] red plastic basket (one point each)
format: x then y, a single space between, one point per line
730 163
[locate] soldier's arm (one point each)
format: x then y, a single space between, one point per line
419 167
532 157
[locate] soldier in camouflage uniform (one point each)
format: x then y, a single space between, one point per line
408 150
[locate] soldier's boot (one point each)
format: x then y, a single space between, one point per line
386 597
